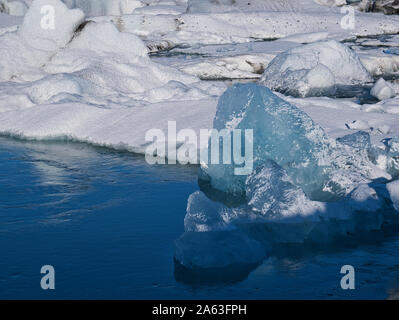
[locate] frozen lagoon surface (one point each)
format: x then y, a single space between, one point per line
107 222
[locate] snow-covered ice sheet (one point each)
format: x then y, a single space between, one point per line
217 28
121 128
96 85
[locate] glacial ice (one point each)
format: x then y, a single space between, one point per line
278 212
277 208
315 69
285 134
203 214
282 133
359 140
271 193
271 218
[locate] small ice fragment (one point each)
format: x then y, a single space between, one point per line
382 90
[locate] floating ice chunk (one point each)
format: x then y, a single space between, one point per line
285 134
270 220
315 69
358 125
359 140
382 90
281 132
271 193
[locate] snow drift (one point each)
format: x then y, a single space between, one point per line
96 63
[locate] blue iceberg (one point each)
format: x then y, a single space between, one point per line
323 168
305 188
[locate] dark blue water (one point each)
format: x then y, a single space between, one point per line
107 222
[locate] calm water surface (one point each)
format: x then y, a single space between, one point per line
107 222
